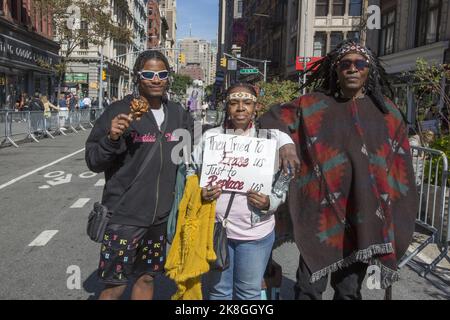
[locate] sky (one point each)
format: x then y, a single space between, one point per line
202 14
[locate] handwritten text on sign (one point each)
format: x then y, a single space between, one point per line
238 163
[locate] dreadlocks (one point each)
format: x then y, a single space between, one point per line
324 76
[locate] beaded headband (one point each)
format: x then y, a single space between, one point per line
353 47
241 96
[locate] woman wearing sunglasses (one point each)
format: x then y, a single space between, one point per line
135 238
354 202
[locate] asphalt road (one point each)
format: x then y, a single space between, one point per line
46 192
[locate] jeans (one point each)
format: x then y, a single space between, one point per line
242 280
346 283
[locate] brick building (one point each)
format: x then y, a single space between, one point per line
27 51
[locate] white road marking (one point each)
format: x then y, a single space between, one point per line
80 203
100 183
44 187
39 169
87 175
54 174
43 238
60 180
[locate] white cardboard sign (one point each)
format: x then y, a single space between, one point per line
238 163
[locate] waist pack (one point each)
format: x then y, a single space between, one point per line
97 222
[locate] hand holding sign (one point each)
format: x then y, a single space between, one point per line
211 193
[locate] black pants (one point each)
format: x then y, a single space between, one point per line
345 282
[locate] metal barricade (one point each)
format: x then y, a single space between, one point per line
6 128
85 118
73 121
431 173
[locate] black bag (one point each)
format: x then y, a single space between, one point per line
221 241
97 222
100 214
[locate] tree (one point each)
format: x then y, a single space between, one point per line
427 82
179 85
276 92
78 22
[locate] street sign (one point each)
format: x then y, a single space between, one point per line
232 65
249 71
309 62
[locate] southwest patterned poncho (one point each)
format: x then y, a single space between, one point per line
355 198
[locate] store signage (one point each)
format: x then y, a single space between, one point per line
76 78
15 50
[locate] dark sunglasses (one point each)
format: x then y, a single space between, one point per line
150 75
359 64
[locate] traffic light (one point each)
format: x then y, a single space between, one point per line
182 58
103 75
223 62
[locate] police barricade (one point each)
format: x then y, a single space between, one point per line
431 175
74 121
5 128
85 118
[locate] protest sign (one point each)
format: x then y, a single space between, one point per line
238 163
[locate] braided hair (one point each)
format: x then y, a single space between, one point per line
141 60
324 77
227 123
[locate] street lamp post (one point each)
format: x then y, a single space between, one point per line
100 93
304 46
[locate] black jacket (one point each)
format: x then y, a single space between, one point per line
149 200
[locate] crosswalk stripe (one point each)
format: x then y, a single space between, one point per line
80 203
43 238
100 183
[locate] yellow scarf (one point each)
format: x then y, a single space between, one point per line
192 248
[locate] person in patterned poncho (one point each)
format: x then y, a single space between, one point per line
354 202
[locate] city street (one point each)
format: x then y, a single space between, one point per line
46 193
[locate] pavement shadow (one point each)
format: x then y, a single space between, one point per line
93 286
164 288
434 278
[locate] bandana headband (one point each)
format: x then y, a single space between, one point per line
242 96
353 48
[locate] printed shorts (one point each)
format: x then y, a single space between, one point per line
130 251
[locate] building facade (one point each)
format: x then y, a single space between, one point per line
154 24
409 30
83 71
283 31
197 54
28 53
168 10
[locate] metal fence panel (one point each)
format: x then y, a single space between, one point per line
431 176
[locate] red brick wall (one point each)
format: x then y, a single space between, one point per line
24 13
154 24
